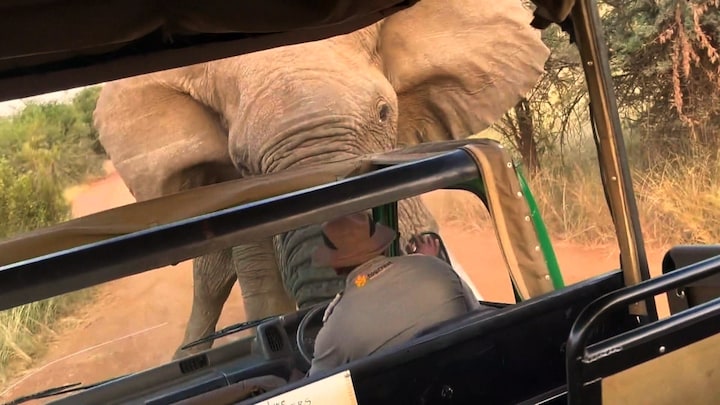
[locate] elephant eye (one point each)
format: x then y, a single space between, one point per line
384 112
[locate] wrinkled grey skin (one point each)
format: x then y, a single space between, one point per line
442 69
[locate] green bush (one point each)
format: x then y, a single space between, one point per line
28 201
44 149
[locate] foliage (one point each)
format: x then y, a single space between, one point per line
84 103
665 55
556 105
53 140
666 68
28 201
43 149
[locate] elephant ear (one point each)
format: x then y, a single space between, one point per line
459 65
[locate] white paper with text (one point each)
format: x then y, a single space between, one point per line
336 389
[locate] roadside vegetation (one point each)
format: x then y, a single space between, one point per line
666 67
44 148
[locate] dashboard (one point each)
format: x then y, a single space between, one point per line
278 337
272 351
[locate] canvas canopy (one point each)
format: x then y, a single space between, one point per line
60 44
516 235
50 45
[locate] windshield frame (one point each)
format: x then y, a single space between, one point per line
612 156
120 256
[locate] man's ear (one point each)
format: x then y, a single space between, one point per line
459 65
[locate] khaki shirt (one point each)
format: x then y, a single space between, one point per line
386 302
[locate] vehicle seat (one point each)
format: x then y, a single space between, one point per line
239 391
697 292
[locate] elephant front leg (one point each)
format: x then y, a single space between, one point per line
213 279
260 281
414 217
307 284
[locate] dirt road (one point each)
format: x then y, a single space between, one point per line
137 322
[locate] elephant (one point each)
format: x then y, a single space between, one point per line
439 70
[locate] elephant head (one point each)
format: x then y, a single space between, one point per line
436 71
441 69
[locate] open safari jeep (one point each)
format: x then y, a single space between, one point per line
596 341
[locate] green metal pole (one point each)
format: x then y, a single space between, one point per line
388 215
542 233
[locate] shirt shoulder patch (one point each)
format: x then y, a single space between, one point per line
363 278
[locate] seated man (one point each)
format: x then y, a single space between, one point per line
387 300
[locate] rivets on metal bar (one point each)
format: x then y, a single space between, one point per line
661 349
590 63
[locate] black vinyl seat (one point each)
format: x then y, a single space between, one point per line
697 292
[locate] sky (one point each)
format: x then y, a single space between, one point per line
12 106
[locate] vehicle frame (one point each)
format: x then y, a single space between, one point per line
561 343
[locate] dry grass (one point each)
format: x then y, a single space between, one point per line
458 208
25 331
678 201
572 203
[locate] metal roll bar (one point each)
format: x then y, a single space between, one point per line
84 266
612 156
642 343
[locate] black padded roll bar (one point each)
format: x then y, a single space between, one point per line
88 265
588 364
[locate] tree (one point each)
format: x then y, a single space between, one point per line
50 138
666 67
44 148
28 201
667 70
84 102
542 120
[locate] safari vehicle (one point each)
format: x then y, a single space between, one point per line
597 341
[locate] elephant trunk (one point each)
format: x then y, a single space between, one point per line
310 285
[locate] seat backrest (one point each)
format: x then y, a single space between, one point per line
695 293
